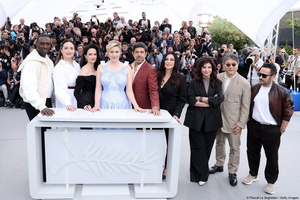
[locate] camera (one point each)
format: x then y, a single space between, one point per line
186 39
221 50
234 51
180 32
203 40
250 60
58 26
109 21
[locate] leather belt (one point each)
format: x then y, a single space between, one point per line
71 87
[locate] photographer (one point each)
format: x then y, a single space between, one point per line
15 32
187 62
255 64
145 23
6 26
121 25
141 36
58 29
155 57
24 29
205 47
108 24
178 47
13 79
7 41
35 28
21 47
53 50
126 53
191 30
165 24
163 43
97 20
3 88
48 31
5 57
155 32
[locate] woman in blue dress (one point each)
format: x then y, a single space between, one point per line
114 83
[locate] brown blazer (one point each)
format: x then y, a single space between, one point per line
145 87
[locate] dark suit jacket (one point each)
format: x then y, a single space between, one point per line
145 87
171 99
211 116
141 25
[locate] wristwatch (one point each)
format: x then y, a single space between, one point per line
200 99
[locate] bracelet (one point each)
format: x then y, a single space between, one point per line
156 107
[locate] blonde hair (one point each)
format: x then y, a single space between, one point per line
112 44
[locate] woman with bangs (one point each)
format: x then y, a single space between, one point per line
112 78
203 117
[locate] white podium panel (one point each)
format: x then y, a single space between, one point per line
101 157
104 156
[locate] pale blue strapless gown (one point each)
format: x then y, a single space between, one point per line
113 95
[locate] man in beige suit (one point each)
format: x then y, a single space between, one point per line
235 112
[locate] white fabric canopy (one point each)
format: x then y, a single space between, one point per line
256 18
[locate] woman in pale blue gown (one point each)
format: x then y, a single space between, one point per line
116 79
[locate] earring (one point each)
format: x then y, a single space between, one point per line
62 56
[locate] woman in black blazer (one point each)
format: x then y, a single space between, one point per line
172 89
203 117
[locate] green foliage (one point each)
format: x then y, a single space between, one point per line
296 25
224 32
288 49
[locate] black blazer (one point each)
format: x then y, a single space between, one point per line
149 25
211 116
171 99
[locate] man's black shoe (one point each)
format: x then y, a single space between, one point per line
215 169
233 179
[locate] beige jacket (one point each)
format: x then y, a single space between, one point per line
34 80
236 105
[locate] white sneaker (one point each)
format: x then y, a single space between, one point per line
270 188
201 183
250 179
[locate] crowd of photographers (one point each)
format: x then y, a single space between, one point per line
17 41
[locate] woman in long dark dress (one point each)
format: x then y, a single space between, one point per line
203 117
86 81
172 89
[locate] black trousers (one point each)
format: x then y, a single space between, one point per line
267 136
289 82
32 113
201 144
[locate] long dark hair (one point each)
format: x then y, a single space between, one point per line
83 61
213 75
61 46
174 75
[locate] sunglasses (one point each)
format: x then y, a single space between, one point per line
263 75
228 64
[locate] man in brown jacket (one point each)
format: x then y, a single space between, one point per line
271 109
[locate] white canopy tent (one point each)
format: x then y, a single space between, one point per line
256 18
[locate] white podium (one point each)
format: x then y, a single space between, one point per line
115 161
